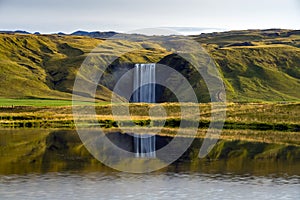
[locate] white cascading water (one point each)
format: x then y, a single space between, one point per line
144 91
144 75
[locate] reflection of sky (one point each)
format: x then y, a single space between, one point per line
124 15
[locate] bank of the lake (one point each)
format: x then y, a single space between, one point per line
41 138
255 116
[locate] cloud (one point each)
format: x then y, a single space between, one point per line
125 15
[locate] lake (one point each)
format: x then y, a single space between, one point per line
48 164
168 185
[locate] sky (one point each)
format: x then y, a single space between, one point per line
127 15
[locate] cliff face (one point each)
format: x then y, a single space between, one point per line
255 65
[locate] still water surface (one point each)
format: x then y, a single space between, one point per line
31 169
164 185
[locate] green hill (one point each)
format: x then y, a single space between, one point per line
40 66
257 65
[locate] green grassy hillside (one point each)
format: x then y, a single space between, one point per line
256 65
264 72
40 66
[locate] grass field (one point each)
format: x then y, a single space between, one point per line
34 102
239 116
7 102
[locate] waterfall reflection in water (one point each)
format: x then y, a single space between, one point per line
144 146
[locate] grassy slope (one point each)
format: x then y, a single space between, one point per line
44 66
266 68
266 73
40 66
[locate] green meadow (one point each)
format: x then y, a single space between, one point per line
9 102
33 102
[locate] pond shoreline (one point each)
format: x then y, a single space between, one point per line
253 116
44 138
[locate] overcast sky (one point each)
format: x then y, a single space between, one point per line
125 15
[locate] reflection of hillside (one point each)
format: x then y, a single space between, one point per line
60 150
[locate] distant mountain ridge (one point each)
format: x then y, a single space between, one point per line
93 34
188 31
17 31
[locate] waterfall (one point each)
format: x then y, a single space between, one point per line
144 91
144 83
